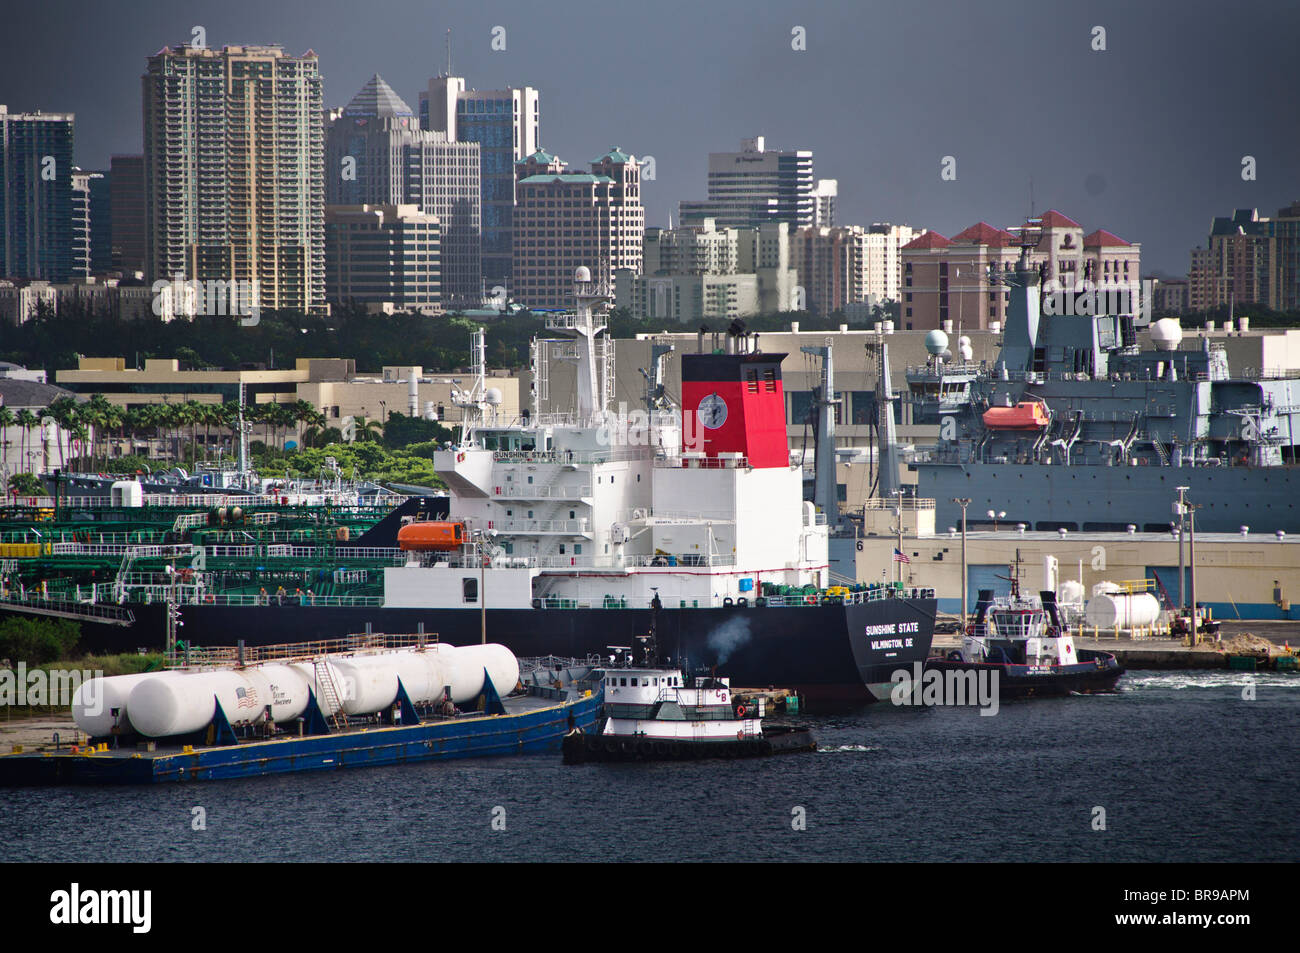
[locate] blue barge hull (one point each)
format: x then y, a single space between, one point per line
533 730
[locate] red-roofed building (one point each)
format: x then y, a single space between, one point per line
947 282
1054 219
929 240
983 233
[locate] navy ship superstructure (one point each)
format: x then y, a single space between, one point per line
1075 427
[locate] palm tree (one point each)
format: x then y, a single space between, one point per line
114 418
7 420
93 414
66 414
27 420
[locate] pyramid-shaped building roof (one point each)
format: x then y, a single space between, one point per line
377 100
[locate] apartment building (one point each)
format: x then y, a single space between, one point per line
234 154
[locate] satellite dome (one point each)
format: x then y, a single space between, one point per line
1167 334
582 274
964 341
936 342
493 395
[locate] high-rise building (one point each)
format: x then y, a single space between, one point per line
955 280
234 166
382 255
850 264
377 155
756 186
564 220
1238 268
825 192
884 264
92 252
700 272
126 209
36 195
1286 258
506 123
1250 260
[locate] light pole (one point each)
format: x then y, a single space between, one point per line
898 517
1180 508
963 502
1191 557
483 536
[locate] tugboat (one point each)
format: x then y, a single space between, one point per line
653 713
1026 642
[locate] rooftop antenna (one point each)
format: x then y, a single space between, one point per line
448 51
1032 211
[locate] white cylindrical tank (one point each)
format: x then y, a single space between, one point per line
1070 593
313 677
1122 610
463 666
287 688
94 701
421 675
185 702
368 683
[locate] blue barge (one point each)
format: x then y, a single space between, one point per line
525 724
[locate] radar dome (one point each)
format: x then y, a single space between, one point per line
493 395
1166 334
936 342
582 274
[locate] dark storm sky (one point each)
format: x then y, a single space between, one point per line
1145 139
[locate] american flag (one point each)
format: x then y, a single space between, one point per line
900 556
247 698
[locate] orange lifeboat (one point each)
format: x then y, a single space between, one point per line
438 537
1026 415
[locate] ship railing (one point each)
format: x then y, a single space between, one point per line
225 656
526 527
136 550
389 555
199 595
878 594
543 492
576 457
344 503
928 371
558 561
65 605
908 503
700 462
531 665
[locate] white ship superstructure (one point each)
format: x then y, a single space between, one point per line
598 507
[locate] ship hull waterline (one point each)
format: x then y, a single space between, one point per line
1095 676
827 653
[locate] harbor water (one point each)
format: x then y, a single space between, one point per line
1185 766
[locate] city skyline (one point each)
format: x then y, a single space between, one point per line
1146 135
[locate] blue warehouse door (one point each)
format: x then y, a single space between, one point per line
985 577
1166 578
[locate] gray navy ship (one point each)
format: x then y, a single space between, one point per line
1075 427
